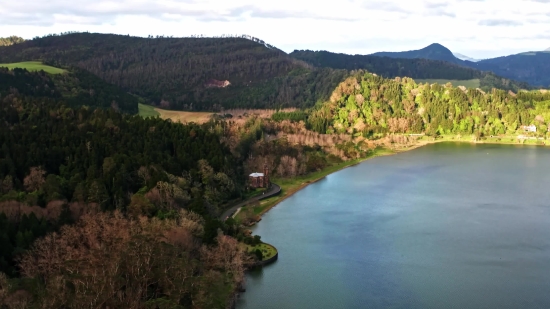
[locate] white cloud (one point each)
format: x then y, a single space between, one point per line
477 28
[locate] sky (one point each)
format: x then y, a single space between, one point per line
476 28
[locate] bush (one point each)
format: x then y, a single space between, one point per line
259 254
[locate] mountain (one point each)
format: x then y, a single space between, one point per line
434 51
177 73
548 49
400 67
463 57
530 67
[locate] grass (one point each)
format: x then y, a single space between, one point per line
471 83
290 186
268 250
33 66
504 139
176 116
147 111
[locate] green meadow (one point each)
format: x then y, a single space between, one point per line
147 111
33 66
470 83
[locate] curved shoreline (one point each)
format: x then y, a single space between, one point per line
289 192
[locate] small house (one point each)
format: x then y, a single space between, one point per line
530 128
259 180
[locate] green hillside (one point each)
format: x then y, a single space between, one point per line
369 105
33 66
425 69
76 88
187 73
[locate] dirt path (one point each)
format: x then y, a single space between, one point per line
274 190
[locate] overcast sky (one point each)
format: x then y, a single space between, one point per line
476 28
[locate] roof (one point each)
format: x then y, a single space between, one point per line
257 175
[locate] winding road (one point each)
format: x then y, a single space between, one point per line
273 190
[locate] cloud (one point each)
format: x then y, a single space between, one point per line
355 26
499 22
386 6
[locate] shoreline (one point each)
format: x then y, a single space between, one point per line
288 192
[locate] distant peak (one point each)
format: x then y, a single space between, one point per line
548 49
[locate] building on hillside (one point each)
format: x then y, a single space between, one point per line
531 128
259 180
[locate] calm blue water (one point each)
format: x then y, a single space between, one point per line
443 226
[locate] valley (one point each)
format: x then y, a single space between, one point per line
153 139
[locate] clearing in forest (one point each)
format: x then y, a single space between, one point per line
175 116
33 66
470 83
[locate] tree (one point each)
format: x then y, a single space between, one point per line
35 179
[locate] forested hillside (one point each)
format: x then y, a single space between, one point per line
371 105
187 73
414 68
531 67
105 188
74 88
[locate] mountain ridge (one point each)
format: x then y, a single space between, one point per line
529 67
434 51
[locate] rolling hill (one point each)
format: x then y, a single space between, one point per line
530 67
434 51
417 68
187 73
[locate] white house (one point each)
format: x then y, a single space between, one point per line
530 128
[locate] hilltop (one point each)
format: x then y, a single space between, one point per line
369 105
530 67
434 51
11 40
178 73
418 68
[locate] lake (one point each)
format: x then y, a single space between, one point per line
443 226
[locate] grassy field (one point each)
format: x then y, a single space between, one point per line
33 66
176 116
268 250
471 83
147 111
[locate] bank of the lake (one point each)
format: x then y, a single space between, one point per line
449 225
291 186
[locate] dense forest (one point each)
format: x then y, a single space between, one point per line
367 104
104 188
103 208
222 73
74 88
414 68
178 73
